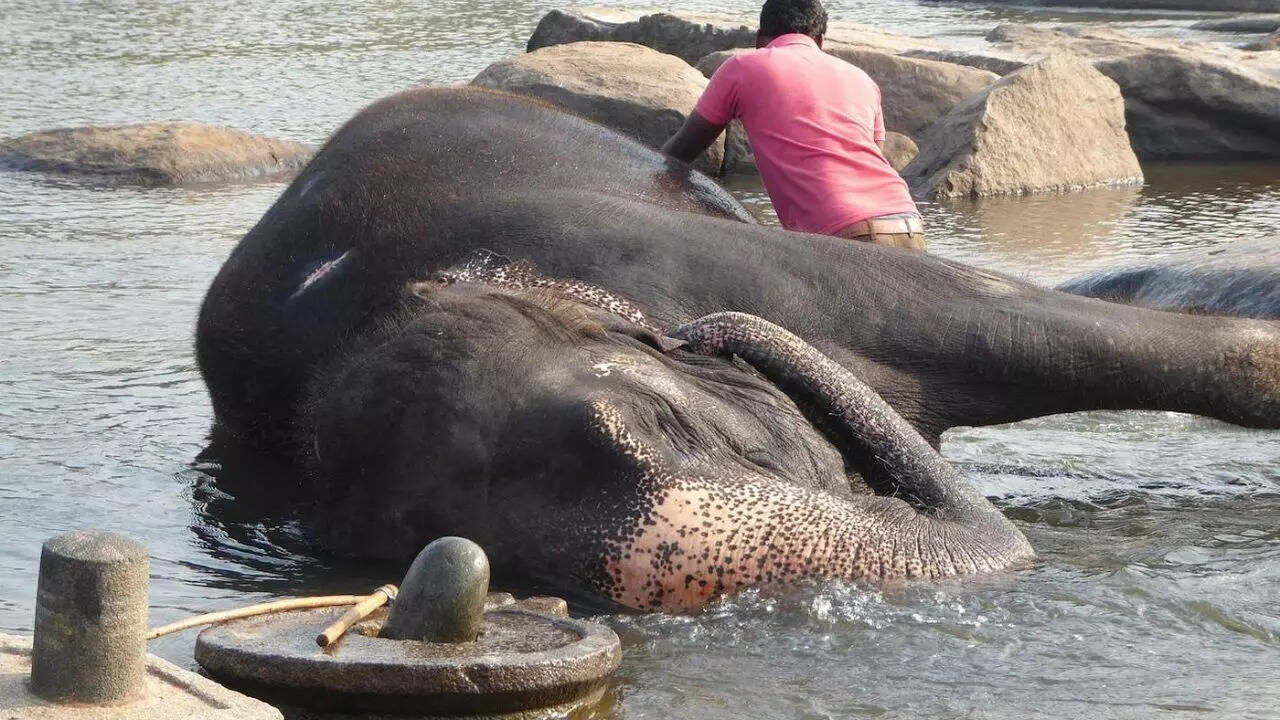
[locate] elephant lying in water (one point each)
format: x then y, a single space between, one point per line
1241 279
536 406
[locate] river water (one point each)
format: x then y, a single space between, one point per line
1158 577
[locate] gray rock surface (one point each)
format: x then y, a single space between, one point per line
169 693
1184 101
899 150
1241 24
628 87
166 153
1268 43
914 93
442 596
1054 126
91 618
690 35
989 60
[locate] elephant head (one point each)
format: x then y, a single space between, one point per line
588 451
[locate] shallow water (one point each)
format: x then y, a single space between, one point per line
1155 590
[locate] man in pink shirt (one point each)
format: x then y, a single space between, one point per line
816 128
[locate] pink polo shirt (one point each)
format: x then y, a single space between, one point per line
813 121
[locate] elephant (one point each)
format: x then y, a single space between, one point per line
475 314
1240 279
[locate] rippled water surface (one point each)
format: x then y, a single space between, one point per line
1157 584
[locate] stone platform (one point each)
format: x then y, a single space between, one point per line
171 692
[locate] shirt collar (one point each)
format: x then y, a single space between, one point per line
793 39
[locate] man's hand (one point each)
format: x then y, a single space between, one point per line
695 136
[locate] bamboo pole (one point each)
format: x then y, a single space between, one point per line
260 609
380 597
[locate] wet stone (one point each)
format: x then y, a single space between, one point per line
168 693
442 597
91 618
520 661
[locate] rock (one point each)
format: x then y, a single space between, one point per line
1270 42
166 153
1184 107
91 619
442 597
739 159
996 62
914 93
1056 125
689 35
1241 24
631 88
1241 279
1190 5
899 150
170 693
1184 101
711 62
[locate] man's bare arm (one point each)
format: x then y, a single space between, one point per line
695 136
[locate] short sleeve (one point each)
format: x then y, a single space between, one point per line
719 102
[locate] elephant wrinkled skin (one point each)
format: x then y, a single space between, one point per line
456 321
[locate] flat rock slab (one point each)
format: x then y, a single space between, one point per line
171 692
522 661
168 153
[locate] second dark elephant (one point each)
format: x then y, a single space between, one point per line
431 388
1240 279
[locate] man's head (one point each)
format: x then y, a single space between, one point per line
783 17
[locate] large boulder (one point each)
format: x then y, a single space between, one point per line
914 93
1184 101
166 153
1000 63
1242 278
689 35
1053 126
1184 107
633 89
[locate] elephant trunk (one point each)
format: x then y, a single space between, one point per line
893 458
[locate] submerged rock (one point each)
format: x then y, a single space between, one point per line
1056 125
1239 279
1270 42
1184 101
1241 24
165 153
633 89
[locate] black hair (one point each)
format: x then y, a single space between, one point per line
780 17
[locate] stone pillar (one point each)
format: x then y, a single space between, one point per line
91 619
442 596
